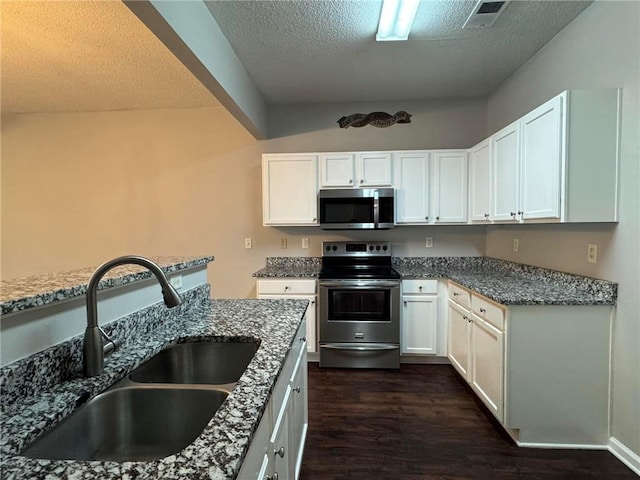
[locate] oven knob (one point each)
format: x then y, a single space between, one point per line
384 247
378 247
327 248
370 247
334 248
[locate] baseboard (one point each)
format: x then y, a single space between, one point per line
625 455
567 446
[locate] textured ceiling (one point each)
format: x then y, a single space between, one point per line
325 50
96 55
67 56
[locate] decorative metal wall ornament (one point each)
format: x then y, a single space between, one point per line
377 119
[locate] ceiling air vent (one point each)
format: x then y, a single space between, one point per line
484 14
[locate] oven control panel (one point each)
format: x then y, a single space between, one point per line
356 249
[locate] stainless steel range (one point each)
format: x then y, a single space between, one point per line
359 306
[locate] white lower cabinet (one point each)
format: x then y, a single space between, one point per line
541 370
301 289
419 318
277 447
487 364
476 347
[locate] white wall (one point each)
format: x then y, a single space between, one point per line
599 49
80 188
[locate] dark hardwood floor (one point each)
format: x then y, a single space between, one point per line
423 422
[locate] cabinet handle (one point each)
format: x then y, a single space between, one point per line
455 294
482 310
272 477
438 217
513 214
520 212
350 180
315 219
420 287
279 452
361 182
297 389
426 218
486 215
313 302
303 339
286 287
405 303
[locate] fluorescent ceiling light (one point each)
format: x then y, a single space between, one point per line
396 19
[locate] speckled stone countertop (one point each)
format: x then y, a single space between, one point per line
39 290
217 453
505 282
293 267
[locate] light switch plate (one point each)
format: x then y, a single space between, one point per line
305 242
283 242
516 244
428 242
592 253
248 243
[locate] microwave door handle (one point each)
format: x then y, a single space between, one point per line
376 208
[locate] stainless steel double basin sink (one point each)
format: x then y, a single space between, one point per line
157 410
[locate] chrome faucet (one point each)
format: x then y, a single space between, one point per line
96 342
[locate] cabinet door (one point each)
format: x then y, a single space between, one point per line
289 190
280 440
505 173
412 181
299 414
487 365
450 187
419 324
373 169
541 161
337 170
459 338
479 182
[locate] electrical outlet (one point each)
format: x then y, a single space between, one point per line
247 243
176 282
516 244
283 242
592 253
305 242
428 242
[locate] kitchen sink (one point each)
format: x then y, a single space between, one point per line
130 424
197 363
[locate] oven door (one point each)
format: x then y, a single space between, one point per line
359 311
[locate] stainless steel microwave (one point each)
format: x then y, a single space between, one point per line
357 208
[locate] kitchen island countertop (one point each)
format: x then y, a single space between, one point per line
218 452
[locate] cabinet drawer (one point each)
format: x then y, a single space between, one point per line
420 286
290 287
488 311
459 294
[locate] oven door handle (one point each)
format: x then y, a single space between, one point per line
359 346
361 283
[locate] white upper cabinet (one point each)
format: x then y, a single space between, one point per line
560 162
505 148
412 180
346 170
540 161
289 189
337 170
479 182
431 187
450 187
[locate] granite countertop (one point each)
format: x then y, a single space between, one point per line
38 290
504 282
218 452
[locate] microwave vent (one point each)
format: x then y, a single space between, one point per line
485 14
